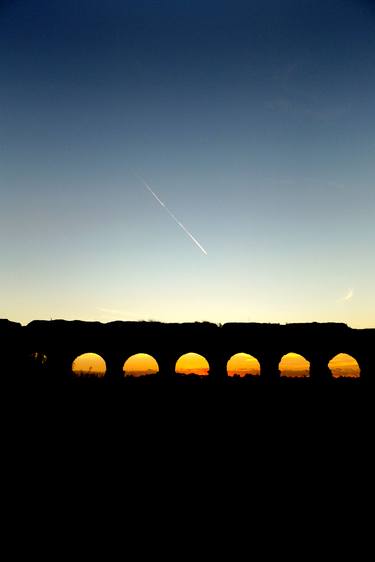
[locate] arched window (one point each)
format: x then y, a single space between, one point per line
294 365
89 364
140 365
192 363
242 364
344 365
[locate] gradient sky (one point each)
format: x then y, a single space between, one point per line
253 121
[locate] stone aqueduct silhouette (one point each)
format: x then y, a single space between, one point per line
62 341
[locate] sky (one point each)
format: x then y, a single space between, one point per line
251 121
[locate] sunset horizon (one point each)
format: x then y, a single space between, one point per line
203 321
188 188
149 350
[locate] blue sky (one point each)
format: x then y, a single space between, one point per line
252 121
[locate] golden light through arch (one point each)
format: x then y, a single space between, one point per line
139 365
294 365
242 364
344 365
192 363
89 364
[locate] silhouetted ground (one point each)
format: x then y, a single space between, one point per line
168 402
161 414
49 379
197 391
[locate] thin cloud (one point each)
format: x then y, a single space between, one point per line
115 312
111 310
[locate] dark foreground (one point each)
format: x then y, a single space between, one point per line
160 381
250 416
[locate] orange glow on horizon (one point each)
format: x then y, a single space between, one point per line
242 364
294 365
140 364
192 363
344 365
89 364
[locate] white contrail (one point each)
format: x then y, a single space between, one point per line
172 215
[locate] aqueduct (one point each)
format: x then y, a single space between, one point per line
60 342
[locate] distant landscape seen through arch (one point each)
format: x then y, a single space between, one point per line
294 365
242 364
192 363
344 365
139 365
89 364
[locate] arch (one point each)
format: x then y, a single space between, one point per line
243 364
294 365
89 364
192 364
140 364
344 365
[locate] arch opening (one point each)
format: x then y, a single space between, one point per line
344 365
89 365
243 365
294 365
140 365
192 364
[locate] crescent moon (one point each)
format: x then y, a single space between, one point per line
349 295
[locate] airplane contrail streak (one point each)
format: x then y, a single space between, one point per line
173 216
